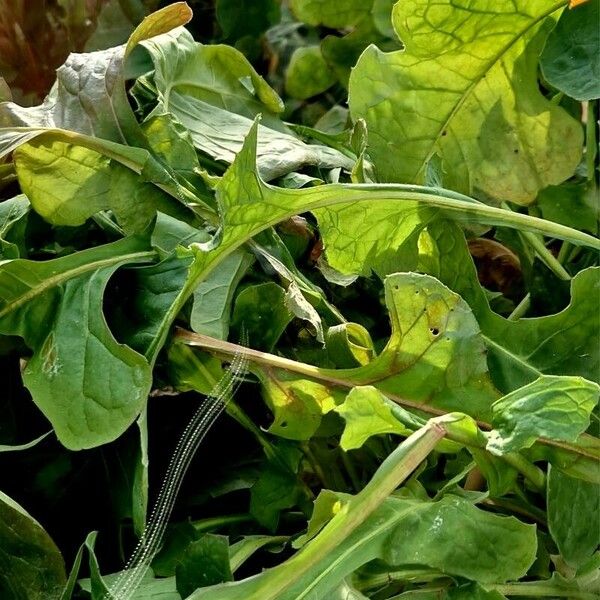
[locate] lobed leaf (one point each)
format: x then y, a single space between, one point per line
465 87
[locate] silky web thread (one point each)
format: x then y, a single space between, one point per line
149 543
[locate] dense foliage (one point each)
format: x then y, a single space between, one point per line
408 241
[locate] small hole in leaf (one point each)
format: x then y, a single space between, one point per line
283 424
396 287
434 330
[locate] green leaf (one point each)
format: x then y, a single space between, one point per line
521 351
434 358
96 585
241 551
261 310
572 204
380 236
573 516
56 176
307 74
205 562
349 345
239 19
465 87
12 222
554 407
570 60
215 93
366 414
277 487
32 566
338 15
213 297
451 535
88 385
88 106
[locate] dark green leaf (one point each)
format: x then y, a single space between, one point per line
32 566
88 385
573 516
204 562
570 60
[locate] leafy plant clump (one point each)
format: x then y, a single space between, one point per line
403 251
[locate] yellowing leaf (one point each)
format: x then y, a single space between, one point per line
465 87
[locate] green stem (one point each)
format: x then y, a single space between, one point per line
534 474
335 378
591 140
460 207
392 472
217 522
542 589
563 253
546 256
521 308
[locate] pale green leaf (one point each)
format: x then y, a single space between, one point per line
349 345
435 357
366 414
242 550
465 87
307 74
215 93
56 176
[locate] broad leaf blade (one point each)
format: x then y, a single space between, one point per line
466 87
573 516
553 407
32 566
89 386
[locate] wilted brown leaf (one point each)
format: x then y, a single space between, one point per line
498 267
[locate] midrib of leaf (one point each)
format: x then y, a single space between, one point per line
60 278
338 194
490 65
515 357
